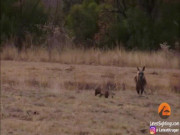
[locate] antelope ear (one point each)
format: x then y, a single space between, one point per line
138 68
143 68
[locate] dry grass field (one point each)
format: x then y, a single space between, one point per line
71 67
116 57
41 98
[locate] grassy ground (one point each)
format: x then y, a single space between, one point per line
58 99
116 57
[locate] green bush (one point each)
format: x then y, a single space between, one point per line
134 24
137 25
82 21
18 19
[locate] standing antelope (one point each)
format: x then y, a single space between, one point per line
140 81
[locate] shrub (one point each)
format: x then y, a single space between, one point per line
21 17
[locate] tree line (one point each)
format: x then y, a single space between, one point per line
105 24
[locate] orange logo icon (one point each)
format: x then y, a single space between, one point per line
164 110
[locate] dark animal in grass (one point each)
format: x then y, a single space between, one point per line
140 81
106 93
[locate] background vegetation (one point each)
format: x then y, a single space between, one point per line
105 24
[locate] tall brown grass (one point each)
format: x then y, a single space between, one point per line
116 57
